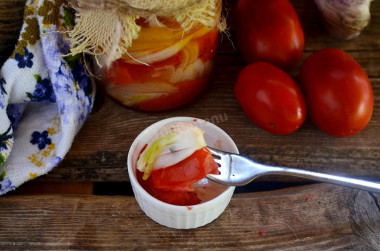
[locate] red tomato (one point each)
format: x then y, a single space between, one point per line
338 92
175 197
186 172
270 31
270 98
172 184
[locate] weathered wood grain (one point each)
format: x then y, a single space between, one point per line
99 152
11 15
311 217
314 217
63 187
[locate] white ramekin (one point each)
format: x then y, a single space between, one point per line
181 217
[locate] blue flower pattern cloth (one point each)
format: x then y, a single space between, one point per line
24 60
45 96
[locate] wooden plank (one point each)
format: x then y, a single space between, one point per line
56 188
11 15
313 217
99 152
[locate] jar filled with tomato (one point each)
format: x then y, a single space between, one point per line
167 65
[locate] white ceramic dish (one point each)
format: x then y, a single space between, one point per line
181 217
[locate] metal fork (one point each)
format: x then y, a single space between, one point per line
237 170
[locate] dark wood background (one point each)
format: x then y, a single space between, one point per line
100 150
277 212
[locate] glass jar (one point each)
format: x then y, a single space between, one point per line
165 67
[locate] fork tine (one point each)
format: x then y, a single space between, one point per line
215 153
219 158
219 162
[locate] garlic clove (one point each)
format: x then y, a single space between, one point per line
345 19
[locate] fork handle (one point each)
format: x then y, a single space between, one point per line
339 180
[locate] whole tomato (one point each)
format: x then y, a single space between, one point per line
270 98
338 92
270 31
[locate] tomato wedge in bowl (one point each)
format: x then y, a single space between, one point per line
173 184
198 203
186 172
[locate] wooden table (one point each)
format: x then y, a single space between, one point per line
72 207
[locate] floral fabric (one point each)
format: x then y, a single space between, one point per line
45 96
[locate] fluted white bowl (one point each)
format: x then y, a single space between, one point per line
181 217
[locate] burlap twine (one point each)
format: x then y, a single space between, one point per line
106 28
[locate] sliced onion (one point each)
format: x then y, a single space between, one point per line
166 53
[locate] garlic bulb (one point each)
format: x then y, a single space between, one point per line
345 19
